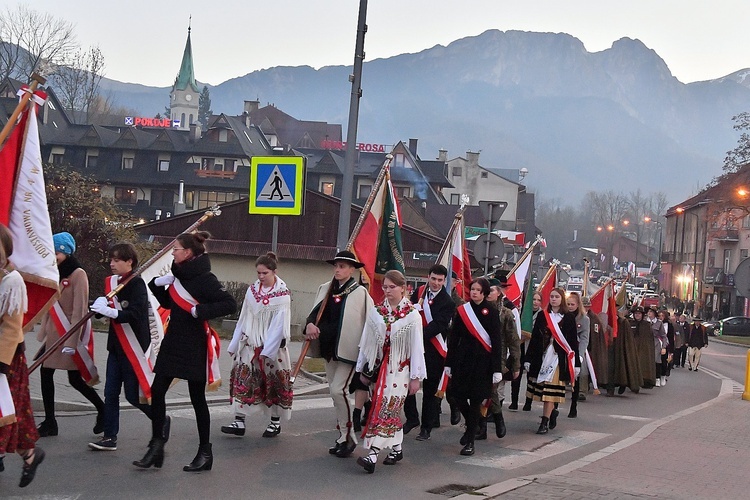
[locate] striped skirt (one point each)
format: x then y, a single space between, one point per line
548 392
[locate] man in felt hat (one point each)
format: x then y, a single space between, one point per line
697 340
334 328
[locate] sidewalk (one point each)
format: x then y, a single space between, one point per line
698 453
68 399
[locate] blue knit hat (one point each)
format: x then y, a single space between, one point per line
64 243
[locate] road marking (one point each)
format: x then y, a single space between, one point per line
631 417
535 449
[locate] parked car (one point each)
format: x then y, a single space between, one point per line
712 327
735 325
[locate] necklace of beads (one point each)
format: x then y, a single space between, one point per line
398 313
266 298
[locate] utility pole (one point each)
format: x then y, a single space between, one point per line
347 185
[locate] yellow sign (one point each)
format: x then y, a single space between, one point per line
277 185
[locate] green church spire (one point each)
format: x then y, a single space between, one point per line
186 75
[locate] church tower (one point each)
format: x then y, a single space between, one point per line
183 100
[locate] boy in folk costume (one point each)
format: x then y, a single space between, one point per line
76 355
436 308
335 327
128 339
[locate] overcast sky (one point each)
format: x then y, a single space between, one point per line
143 40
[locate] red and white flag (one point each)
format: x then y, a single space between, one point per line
455 258
603 301
517 279
548 285
23 209
378 243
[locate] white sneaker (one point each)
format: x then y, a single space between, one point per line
658 382
664 381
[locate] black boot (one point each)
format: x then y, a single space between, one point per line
481 429
544 426
203 460
47 428
99 424
573 413
527 405
455 415
500 429
154 456
357 419
553 418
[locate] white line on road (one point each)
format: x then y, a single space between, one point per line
534 449
631 417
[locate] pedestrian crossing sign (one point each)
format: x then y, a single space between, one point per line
277 185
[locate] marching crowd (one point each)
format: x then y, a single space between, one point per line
377 355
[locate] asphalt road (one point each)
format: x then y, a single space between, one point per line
296 463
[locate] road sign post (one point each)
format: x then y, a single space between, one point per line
494 249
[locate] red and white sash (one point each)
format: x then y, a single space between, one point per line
186 302
474 326
424 310
144 372
7 408
84 355
443 384
562 342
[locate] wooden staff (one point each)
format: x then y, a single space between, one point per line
585 277
43 353
357 228
547 276
11 123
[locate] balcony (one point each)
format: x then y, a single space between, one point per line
215 174
726 235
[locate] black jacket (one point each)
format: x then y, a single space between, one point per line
540 338
184 348
134 301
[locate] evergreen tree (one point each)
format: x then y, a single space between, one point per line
204 108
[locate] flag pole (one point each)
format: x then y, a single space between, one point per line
585 277
11 123
41 356
456 219
547 276
370 200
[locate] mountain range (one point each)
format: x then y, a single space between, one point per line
577 120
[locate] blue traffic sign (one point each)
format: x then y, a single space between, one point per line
277 185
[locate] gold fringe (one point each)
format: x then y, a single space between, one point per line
7 420
214 386
440 394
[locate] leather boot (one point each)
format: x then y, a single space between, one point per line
553 418
47 428
455 415
203 460
481 429
357 419
544 426
527 405
500 429
154 456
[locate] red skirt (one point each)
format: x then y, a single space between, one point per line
22 434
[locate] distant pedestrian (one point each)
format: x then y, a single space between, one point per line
682 329
697 340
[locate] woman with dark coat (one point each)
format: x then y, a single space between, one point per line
184 350
475 358
550 374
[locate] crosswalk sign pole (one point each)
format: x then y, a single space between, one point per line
275 235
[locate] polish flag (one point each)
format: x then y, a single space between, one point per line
455 258
516 280
603 301
546 287
23 209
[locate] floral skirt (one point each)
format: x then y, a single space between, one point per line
253 385
22 434
384 428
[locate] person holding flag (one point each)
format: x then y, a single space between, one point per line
127 339
76 355
552 357
475 358
190 349
17 430
436 309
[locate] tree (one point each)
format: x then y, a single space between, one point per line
204 108
740 155
76 206
32 41
78 83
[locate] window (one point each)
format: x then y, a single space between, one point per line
456 171
230 165
190 200
746 222
208 163
92 159
125 195
399 160
326 188
455 199
364 190
209 198
191 118
162 163
712 258
127 160
484 175
223 134
162 198
56 155
727 258
183 123
402 192
743 253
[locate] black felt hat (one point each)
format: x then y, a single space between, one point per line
348 257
